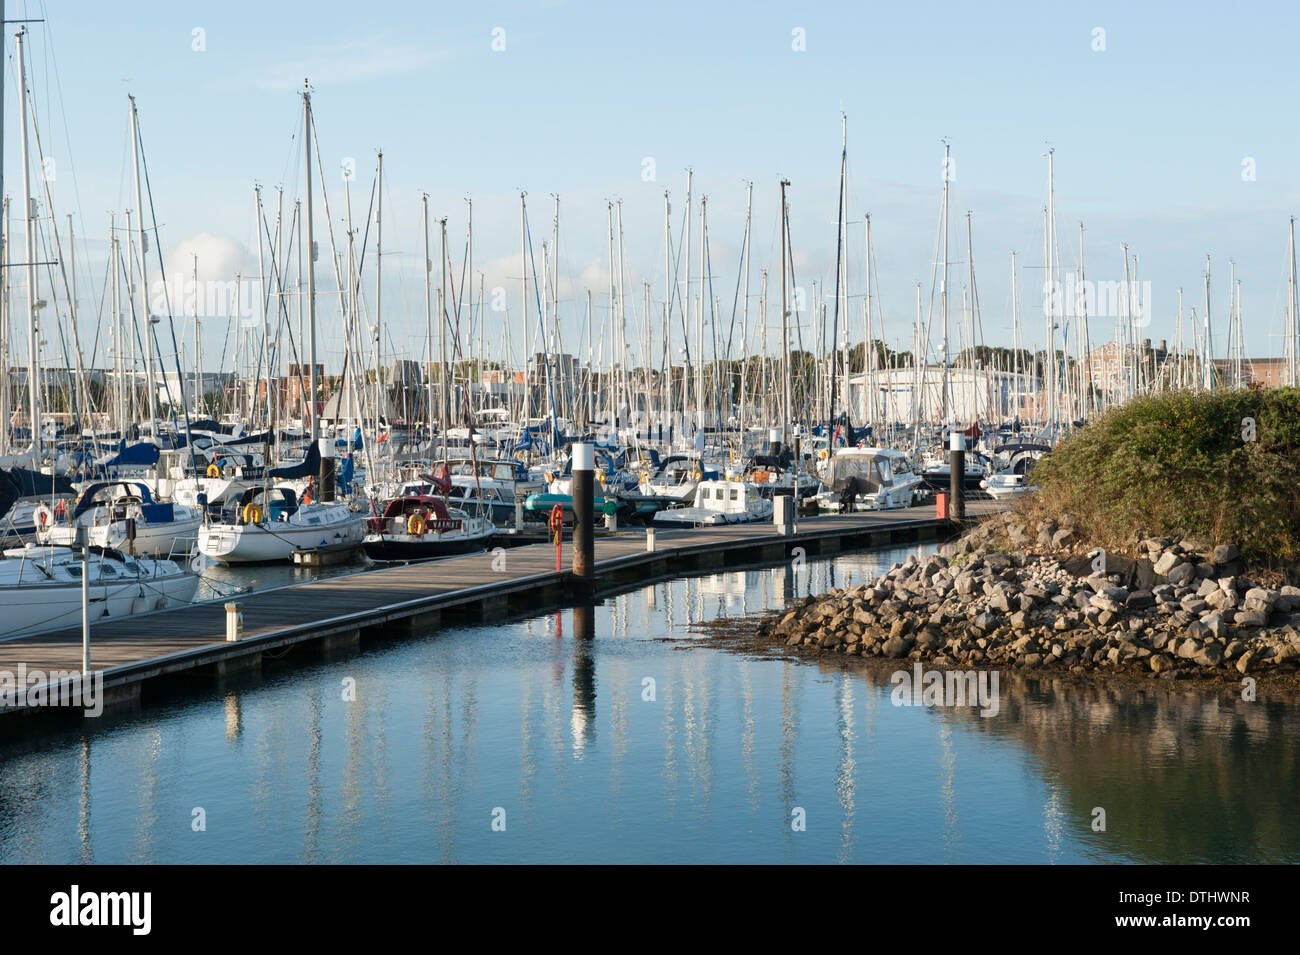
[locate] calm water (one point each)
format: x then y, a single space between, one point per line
450 729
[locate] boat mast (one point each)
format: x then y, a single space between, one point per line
311 267
29 249
785 315
1291 330
943 289
428 313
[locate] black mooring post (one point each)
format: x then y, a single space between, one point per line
957 477
584 531
326 472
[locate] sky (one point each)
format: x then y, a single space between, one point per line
1169 124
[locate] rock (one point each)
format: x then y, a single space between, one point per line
1223 553
1192 604
1161 662
1244 662
1250 618
1062 538
1167 562
1211 655
929 640
1181 574
1189 648
1260 599
1215 624
1140 600
896 647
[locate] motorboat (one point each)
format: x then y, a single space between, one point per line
1013 464
724 501
869 478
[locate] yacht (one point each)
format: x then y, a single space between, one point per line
869 479
268 525
40 586
122 515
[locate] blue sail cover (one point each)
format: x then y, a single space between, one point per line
309 466
131 456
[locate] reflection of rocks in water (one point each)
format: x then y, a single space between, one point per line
1185 775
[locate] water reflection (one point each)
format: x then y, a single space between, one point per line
549 719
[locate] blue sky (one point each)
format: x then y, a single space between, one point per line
1150 135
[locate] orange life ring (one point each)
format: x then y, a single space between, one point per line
415 525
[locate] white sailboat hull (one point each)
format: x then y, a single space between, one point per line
277 540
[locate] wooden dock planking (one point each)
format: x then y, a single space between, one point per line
134 647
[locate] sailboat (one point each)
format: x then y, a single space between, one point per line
123 515
40 586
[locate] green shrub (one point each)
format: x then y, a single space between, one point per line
1183 464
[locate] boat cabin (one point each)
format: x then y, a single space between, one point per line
398 512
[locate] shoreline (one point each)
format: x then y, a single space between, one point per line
1184 615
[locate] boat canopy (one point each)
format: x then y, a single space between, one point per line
307 467
140 454
152 511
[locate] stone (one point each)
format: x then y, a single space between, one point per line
896 647
1062 538
1223 553
1161 662
1182 574
1140 600
1167 562
1211 655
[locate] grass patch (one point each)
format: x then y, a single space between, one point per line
1183 464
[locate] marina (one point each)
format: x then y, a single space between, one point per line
340 611
549 434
